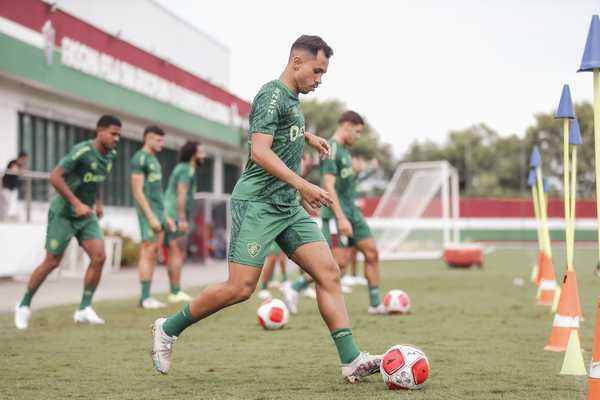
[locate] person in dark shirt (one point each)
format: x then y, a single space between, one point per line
10 184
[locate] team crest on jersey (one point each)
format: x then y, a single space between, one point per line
253 249
54 244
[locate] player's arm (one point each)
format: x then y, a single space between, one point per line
99 202
182 189
57 179
262 154
344 225
137 190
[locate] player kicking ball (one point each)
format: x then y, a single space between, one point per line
77 178
179 201
267 204
343 222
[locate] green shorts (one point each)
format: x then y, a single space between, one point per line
255 225
148 235
169 235
360 229
61 229
274 249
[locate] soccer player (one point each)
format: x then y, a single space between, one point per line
179 200
343 222
77 179
146 187
266 206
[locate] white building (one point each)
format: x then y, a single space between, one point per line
65 63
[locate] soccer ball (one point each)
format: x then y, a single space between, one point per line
273 314
404 366
396 302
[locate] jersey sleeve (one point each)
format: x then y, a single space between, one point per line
329 165
73 158
265 112
138 164
185 176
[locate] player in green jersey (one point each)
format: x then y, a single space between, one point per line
77 178
179 200
146 187
343 222
267 204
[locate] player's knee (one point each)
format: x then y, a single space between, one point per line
372 255
98 259
52 262
240 291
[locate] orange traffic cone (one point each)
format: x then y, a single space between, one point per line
566 318
540 261
547 283
576 294
594 380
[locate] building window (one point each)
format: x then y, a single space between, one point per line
47 141
204 182
231 173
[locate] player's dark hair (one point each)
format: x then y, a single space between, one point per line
153 129
188 150
312 44
23 154
352 117
107 120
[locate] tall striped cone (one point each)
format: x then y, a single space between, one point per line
566 318
573 362
547 288
594 380
540 261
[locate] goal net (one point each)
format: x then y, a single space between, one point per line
417 215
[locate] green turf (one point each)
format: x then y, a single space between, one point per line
483 335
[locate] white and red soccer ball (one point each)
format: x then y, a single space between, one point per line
396 302
404 366
273 314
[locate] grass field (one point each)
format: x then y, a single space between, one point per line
483 335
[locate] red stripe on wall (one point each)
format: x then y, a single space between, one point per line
34 13
497 208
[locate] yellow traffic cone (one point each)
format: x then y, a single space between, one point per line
573 362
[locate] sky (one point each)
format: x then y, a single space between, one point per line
415 69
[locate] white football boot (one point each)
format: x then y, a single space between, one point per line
360 280
87 316
264 294
348 280
310 292
180 297
379 310
362 366
22 316
151 303
290 297
162 347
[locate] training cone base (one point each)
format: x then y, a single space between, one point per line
573 362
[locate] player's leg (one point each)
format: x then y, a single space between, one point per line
282 266
177 253
365 243
58 234
305 245
147 263
85 314
267 273
247 252
237 288
358 280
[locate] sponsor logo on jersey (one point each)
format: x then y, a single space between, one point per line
153 177
90 177
296 132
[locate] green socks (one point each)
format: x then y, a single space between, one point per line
26 300
175 324
86 299
344 342
174 290
300 284
145 290
263 286
283 276
374 300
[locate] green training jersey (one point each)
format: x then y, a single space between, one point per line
85 168
147 164
339 164
275 111
184 173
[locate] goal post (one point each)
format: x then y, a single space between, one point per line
417 216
